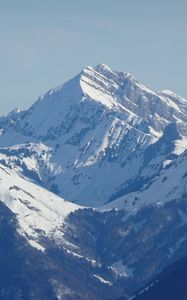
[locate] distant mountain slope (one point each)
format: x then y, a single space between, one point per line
169 184
170 284
30 274
24 270
32 231
80 238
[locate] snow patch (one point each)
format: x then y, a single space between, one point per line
101 279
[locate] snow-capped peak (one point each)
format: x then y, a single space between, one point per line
103 66
115 91
97 123
104 69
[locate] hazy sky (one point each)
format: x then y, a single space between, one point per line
43 43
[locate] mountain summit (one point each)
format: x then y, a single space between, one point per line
97 124
116 91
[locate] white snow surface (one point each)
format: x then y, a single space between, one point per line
122 270
36 208
170 184
102 280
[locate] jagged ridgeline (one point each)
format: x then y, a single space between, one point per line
116 152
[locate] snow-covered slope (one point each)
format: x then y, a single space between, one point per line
170 184
39 212
78 136
147 228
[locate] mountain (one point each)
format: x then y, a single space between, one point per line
76 240
76 137
117 153
170 183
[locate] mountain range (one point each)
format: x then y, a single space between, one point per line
93 185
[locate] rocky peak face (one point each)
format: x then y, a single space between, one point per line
99 123
111 92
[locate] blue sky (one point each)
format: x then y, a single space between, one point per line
44 43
